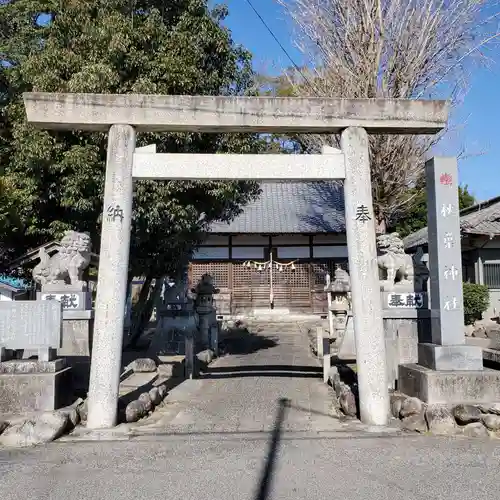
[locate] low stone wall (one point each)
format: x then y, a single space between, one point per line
39 428
461 419
481 420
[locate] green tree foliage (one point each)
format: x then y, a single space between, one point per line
476 301
9 221
117 46
416 218
10 224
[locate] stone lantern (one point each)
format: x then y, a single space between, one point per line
339 301
205 310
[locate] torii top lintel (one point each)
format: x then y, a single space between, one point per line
169 113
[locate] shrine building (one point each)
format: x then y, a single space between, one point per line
276 253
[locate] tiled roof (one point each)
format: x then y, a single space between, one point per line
13 284
291 207
483 218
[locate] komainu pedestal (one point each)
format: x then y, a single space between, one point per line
61 278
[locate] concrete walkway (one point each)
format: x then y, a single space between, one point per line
210 443
255 467
242 390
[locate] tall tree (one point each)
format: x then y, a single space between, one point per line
416 217
389 49
117 46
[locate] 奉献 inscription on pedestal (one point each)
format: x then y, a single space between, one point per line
70 301
412 300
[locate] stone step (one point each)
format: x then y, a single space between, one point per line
136 380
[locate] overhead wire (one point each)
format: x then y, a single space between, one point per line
276 39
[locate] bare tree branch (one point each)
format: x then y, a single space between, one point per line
390 49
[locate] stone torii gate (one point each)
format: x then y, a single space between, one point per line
122 116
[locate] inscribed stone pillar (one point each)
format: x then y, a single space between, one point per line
365 286
112 279
445 259
448 350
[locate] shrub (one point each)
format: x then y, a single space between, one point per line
476 301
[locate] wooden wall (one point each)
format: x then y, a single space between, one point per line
243 289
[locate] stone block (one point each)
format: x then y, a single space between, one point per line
319 342
136 380
214 338
43 391
76 335
25 366
491 355
204 329
449 387
46 354
347 345
146 365
482 342
450 357
401 336
30 324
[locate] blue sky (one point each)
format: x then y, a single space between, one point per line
478 118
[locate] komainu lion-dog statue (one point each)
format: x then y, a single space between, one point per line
400 269
66 267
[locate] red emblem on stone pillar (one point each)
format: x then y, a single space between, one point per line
446 180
